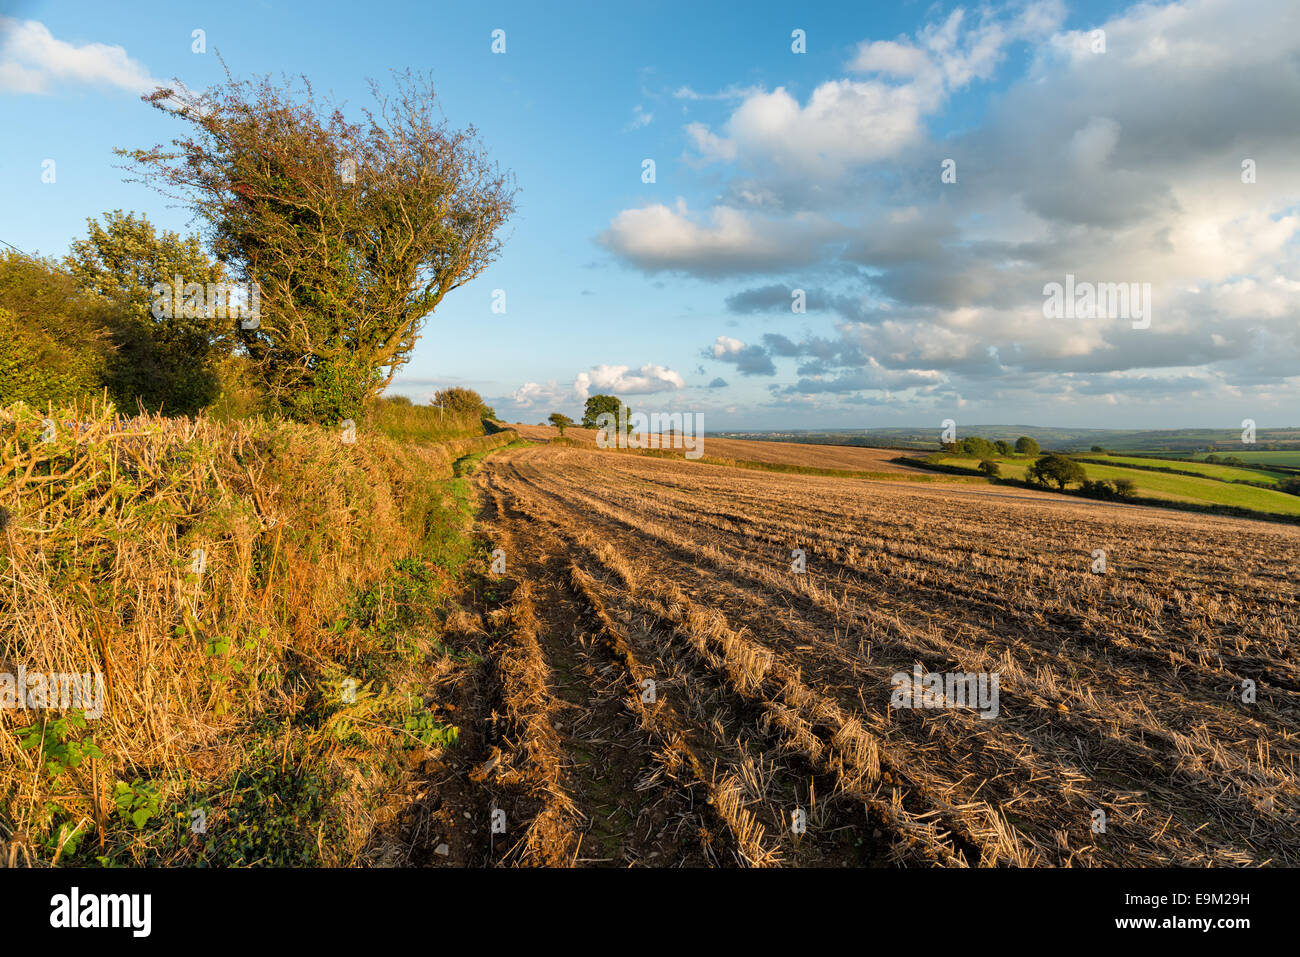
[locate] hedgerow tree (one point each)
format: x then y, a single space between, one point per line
1027 446
353 231
54 339
459 401
165 362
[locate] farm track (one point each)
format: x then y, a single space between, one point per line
1118 692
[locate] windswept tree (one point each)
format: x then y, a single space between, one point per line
560 421
353 231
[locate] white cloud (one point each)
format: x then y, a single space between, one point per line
532 394
846 122
656 238
640 119
725 345
616 379
32 60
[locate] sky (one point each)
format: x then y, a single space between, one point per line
914 176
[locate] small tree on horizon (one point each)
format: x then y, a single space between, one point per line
560 421
1027 446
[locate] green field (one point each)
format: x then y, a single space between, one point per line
1224 473
1162 485
1289 457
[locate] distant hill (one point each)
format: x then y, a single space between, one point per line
1049 437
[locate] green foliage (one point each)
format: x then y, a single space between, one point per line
1003 447
990 468
403 421
464 402
978 447
1056 468
1027 446
599 404
424 729
560 421
136 802
55 342
163 362
335 390
58 743
353 231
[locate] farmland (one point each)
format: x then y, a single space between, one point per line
1289 458
1169 487
1224 473
670 688
840 457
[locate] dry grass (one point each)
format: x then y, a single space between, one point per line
204 569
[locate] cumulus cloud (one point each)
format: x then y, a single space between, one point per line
620 380
659 238
33 60
1122 166
849 122
748 360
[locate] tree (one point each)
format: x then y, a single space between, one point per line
560 421
978 447
55 343
598 404
1027 446
463 402
353 232
990 468
1058 469
166 358
1124 488
1003 447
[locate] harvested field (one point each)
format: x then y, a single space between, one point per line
770 738
843 457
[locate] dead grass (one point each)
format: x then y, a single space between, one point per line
205 570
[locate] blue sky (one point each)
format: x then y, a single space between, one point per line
778 171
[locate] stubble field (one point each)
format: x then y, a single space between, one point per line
670 691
